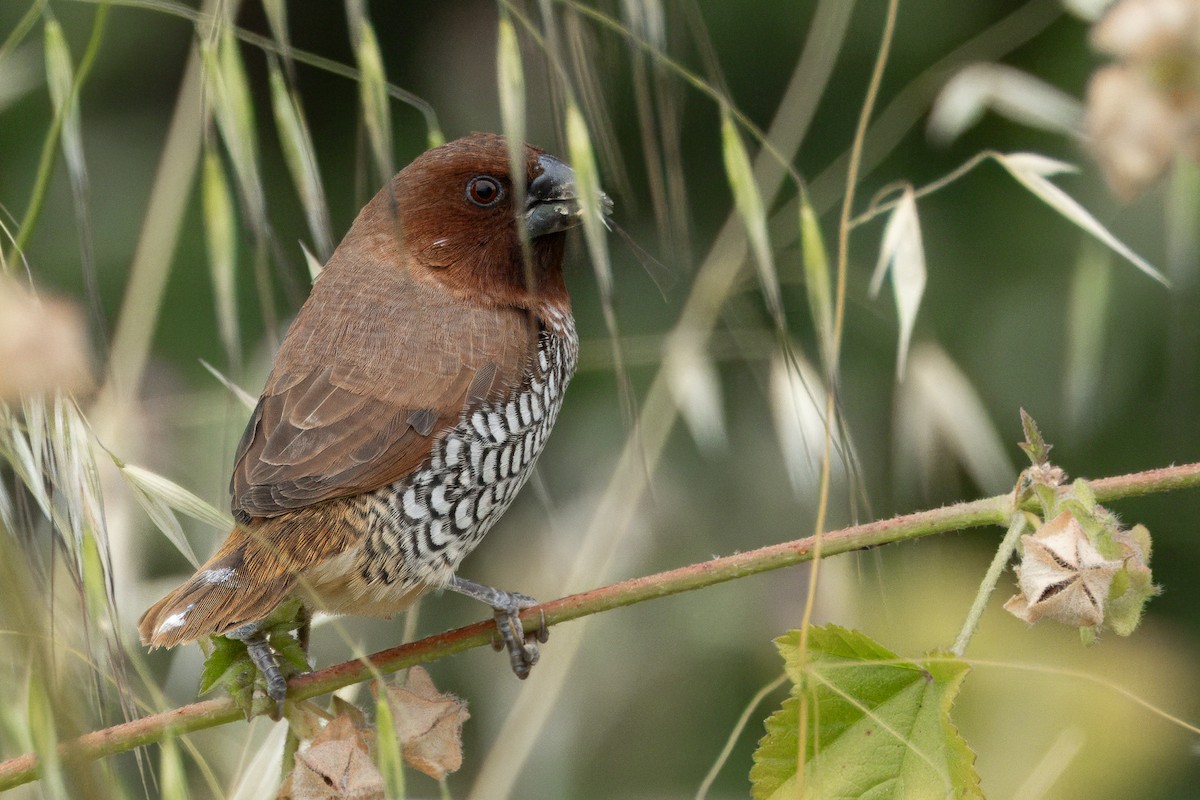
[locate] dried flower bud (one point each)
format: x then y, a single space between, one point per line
1148 29
1144 111
1062 576
43 344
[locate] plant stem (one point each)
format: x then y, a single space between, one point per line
1015 528
210 713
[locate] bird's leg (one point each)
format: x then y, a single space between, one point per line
304 630
264 659
522 648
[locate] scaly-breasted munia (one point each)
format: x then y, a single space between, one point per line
405 409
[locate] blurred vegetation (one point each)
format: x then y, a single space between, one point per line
1021 305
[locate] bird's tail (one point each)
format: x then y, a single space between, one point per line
229 591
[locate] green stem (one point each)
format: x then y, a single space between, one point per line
49 154
1015 528
211 713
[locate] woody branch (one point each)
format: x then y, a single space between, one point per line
211 713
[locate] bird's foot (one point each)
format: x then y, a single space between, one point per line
260 652
522 646
275 653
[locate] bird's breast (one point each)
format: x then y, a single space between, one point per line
420 528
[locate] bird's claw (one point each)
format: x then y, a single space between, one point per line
522 646
507 606
267 664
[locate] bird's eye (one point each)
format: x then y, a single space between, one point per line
484 191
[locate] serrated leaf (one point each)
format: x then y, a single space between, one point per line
748 201
773 776
1035 445
902 254
220 658
876 725
292 658
1030 170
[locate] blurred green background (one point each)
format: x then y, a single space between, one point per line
659 686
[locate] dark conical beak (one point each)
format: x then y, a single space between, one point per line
552 204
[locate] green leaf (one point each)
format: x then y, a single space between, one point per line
1034 445
220 660
774 772
876 726
292 658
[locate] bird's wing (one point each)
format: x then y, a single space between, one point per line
369 374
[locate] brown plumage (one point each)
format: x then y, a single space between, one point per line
405 406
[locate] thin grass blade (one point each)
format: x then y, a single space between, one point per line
388 756
817 281
229 100
260 778
61 79
160 514
1029 170
278 20
697 388
902 253
175 496
247 399
220 232
1008 91
373 97
300 157
587 183
940 422
312 262
748 200
20 73
510 80
797 395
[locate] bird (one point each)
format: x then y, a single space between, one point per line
404 409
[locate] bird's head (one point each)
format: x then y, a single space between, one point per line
461 213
